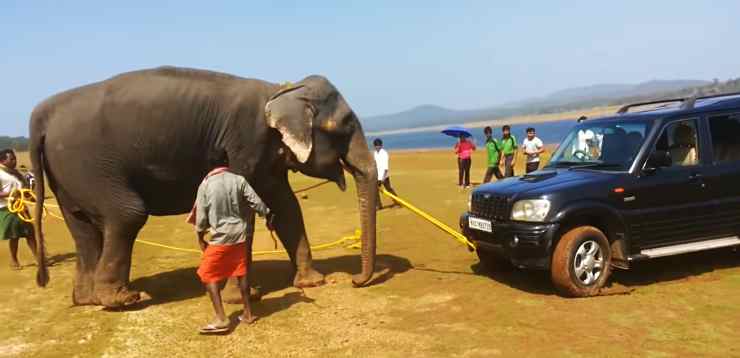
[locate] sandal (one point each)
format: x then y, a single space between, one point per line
251 321
213 329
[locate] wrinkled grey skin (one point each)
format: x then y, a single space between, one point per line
138 144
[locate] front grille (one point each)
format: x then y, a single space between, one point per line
490 206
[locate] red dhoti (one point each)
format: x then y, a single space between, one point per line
223 261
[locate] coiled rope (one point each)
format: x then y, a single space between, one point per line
20 199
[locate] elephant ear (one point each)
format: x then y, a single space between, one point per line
292 116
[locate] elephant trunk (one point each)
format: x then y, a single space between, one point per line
362 166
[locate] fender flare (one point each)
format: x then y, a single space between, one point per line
615 221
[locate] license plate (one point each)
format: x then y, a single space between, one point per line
480 224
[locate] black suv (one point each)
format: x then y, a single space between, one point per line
656 179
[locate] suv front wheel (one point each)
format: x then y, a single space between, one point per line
581 262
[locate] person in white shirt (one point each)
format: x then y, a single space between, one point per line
384 179
12 228
532 147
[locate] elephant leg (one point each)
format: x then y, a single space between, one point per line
88 241
114 266
292 232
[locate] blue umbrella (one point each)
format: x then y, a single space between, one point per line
457 131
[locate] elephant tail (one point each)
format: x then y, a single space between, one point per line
38 136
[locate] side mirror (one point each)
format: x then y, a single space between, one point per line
659 159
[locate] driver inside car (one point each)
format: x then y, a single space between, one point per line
683 150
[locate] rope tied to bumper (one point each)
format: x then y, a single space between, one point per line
452 232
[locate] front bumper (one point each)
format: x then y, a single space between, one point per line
525 245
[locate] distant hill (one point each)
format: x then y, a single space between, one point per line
17 143
421 116
560 101
713 88
611 91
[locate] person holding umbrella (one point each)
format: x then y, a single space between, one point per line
464 149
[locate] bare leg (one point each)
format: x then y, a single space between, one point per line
31 241
247 316
214 292
14 264
244 286
389 188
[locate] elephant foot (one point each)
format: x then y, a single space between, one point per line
117 297
83 296
310 278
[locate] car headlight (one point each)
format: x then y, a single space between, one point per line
470 202
530 210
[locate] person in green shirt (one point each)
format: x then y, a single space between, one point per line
494 156
508 149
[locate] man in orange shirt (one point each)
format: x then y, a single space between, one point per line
226 206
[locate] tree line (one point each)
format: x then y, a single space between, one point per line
17 143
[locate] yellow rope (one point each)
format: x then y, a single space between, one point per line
456 235
18 202
20 199
167 246
354 241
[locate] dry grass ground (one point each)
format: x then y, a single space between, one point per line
430 300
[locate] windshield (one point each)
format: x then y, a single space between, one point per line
603 146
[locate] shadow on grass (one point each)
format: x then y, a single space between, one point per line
61 258
269 275
675 268
532 281
386 266
268 306
662 270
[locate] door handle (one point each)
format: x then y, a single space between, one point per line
698 178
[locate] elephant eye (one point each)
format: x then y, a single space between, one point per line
313 109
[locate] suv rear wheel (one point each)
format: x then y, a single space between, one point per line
581 262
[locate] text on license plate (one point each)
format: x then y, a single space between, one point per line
480 224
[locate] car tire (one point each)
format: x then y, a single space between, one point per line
581 262
493 262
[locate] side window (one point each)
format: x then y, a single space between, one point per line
725 130
679 140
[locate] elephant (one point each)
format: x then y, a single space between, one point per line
137 145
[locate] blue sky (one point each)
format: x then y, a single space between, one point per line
385 56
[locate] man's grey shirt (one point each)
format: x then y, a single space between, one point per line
226 205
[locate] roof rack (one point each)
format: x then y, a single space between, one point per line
626 108
720 95
686 103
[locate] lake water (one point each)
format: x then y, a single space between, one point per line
550 133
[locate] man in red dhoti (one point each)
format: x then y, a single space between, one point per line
226 207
